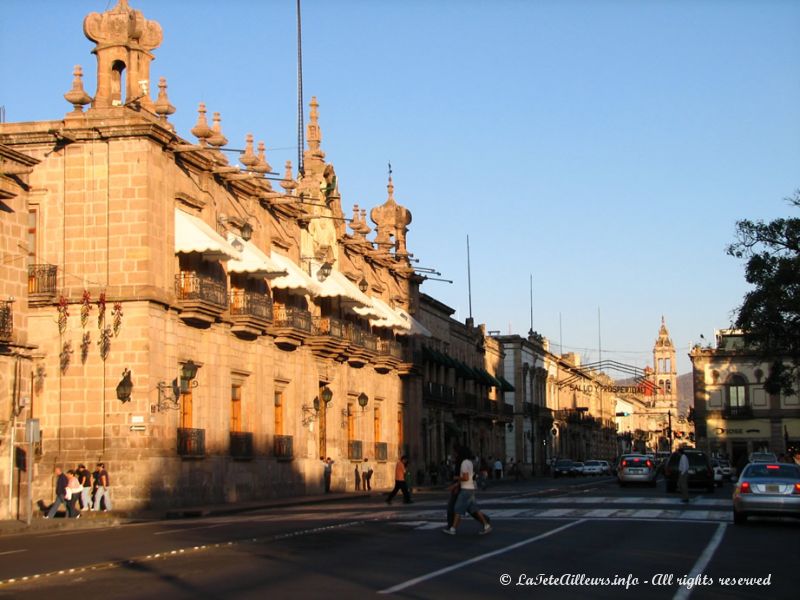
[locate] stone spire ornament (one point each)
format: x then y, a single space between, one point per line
248 158
288 183
391 222
201 130
162 107
77 96
216 138
262 166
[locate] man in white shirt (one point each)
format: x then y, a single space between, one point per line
465 503
683 476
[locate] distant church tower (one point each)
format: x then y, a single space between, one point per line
665 375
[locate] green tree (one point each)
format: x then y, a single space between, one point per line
770 312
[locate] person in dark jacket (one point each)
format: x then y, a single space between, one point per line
61 494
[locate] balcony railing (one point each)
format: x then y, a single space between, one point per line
381 451
42 280
289 316
390 348
439 391
737 412
354 450
241 444
328 326
6 320
251 304
361 337
193 286
469 401
283 447
191 442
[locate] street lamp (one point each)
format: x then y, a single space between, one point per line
188 373
124 387
363 399
324 271
363 285
326 394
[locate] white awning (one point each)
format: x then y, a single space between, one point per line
253 261
414 326
295 278
195 235
387 316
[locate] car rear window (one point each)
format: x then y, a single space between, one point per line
593 463
563 463
778 471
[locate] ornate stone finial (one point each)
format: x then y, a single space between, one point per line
216 138
77 96
288 183
313 132
391 222
355 223
247 158
262 166
124 40
162 106
201 130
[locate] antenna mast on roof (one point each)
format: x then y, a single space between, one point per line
531 331
300 140
469 280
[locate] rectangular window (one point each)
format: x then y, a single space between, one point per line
236 408
737 396
278 413
376 423
31 236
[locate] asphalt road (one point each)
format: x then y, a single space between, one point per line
577 538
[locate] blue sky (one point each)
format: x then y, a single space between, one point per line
605 148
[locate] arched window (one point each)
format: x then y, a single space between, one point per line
660 386
669 386
737 391
117 83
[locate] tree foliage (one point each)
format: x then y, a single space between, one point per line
770 312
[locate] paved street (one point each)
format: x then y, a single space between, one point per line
589 536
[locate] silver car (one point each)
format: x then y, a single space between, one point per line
636 468
771 489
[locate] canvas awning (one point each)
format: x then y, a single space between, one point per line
253 261
386 316
192 234
295 278
505 385
414 326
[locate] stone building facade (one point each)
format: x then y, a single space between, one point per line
205 335
735 413
463 390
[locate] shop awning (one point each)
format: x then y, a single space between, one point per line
295 278
414 326
192 234
505 386
386 316
338 285
253 261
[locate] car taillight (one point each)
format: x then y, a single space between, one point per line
624 463
772 467
745 488
796 489
649 464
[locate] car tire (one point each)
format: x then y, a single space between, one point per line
739 518
710 489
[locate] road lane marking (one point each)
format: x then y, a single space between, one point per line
412 582
11 552
703 560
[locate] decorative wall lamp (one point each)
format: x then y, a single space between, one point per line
188 374
326 395
363 400
124 387
168 395
363 285
324 271
247 231
311 413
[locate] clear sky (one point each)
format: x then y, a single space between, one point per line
605 148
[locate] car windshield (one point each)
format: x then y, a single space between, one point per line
773 471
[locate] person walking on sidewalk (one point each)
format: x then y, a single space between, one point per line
465 503
327 473
102 492
400 484
61 494
74 490
85 479
358 477
366 474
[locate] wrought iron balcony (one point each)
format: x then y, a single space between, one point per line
354 450
6 320
737 412
191 442
289 316
202 299
390 348
469 402
283 447
381 451
438 392
42 280
250 304
328 326
241 444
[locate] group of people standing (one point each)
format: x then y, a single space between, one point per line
91 489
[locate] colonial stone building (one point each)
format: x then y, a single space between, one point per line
735 413
463 388
207 336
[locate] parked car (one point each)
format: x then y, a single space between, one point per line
606 467
764 457
700 472
636 468
577 469
593 467
563 466
728 470
768 489
718 476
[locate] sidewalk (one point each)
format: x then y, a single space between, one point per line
90 520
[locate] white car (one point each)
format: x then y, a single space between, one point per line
593 467
718 473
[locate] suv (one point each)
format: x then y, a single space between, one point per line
562 466
763 457
700 472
